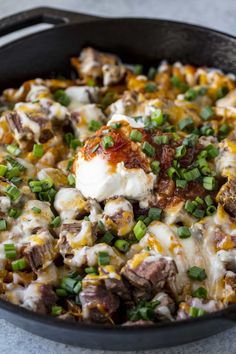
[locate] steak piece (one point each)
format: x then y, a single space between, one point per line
39 297
227 197
98 304
150 275
39 256
119 287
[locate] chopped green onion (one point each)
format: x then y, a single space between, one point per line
179 84
14 172
3 170
183 232
147 221
13 192
69 164
201 293
122 245
61 97
211 210
161 139
68 137
10 250
138 69
56 310
95 148
107 238
19 264
209 183
221 92
103 258
151 73
38 150
91 270
15 163
202 91
190 206
180 151
75 143
172 172
196 312
206 113
150 87
101 226
86 218
224 129
14 213
115 125
155 213
36 210
186 123
94 125
107 142
68 284
198 213
212 151
71 179
190 140
181 183
47 196
136 135
197 273
191 94
155 167
208 200
148 149
61 292
77 287
91 83
192 174
157 116
56 222
199 200
13 150
139 230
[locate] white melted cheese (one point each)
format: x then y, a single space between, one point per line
86 114
95 179
89 255
134 123
69 203
81 95
29 220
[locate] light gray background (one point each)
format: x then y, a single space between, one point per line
219 14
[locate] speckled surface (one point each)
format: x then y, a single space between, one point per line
211 13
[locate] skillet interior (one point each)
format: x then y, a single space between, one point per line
134 40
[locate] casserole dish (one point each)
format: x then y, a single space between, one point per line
149 41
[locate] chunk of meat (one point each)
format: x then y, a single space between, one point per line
150 275
98 303
227 197
39 298
40 250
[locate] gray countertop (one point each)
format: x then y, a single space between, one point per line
211 13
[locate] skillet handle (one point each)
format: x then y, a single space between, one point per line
38 15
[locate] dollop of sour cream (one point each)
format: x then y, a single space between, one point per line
96 179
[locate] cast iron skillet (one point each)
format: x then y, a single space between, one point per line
143 41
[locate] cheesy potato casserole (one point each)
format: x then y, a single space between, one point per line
118 192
